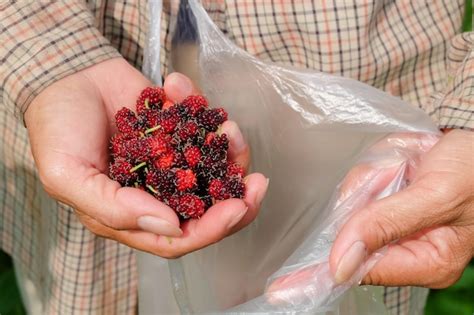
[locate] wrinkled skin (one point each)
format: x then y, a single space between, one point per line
431 222
428 227
70 124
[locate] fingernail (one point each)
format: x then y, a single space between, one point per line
261 194
184 86
236 137
351 260
158 226
237 218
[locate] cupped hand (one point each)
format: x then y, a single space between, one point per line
70 124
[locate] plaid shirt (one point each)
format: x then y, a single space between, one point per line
411 49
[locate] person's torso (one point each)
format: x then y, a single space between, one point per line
397 46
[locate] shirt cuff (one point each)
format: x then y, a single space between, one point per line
454 106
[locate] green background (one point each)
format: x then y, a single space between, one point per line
458 299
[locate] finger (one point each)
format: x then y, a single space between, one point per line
239 151
178 86
382 222
144 241
430 258
404 141
212 227
256 186
367 180
359 176
391 151
109 83
121 208
292 287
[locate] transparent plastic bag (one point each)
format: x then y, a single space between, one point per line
306 131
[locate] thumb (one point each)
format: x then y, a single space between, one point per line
178 86
378 224
120 208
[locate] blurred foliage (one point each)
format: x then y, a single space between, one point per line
10 299
467 22
458 299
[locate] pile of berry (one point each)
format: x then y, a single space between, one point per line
175 152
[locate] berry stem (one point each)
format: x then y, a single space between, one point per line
152 129
147 105
137 167
152 189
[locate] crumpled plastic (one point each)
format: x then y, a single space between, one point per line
306 130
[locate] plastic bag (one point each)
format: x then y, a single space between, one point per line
306 131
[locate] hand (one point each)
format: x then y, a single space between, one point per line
428 227
70 124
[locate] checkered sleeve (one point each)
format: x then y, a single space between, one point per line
454 105
42 42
